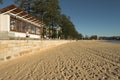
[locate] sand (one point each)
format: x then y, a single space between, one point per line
81 60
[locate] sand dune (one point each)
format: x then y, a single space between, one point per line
81 60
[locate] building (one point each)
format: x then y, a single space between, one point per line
15 23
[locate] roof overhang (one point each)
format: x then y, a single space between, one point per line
19 13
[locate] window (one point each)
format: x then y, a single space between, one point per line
12 24
29 29
37 30
24 27
18 25
33 29
15 24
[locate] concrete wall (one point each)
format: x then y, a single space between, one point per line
4 22
12 48
4 26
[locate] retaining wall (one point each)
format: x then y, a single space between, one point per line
13 48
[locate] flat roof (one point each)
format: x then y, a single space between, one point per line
12 9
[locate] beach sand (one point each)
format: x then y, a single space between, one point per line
80 60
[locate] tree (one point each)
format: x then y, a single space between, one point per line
46 9
93 37
68 29
80 36
25 5
49 11
86 37
1 1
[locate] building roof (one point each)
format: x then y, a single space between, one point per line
17 12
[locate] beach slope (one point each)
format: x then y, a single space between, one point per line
80 60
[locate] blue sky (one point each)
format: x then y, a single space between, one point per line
90 17
101 17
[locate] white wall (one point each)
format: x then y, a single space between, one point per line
4 22
18 34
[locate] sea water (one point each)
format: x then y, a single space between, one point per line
112 41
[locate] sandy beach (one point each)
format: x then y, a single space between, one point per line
80 60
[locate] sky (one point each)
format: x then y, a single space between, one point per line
91 17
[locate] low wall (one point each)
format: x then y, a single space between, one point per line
12 48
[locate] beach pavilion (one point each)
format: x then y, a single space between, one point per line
15 23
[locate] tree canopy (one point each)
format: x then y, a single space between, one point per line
50 12
1 1
68 28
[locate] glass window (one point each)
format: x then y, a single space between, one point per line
37 30
12 24
33 29
29 29
18 25
24 27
